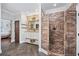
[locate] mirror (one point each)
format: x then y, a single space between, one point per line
33 23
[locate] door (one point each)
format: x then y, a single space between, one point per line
16 31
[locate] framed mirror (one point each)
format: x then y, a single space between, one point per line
33 23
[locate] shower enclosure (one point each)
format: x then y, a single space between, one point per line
59 32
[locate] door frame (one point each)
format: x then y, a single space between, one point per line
15 31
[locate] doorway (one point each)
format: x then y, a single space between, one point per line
16 31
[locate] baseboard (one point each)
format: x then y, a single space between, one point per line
27 42
22 42
42 50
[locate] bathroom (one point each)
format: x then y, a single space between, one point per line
40 29
20 27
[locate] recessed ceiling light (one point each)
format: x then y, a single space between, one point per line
55 4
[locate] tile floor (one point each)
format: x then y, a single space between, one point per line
24 49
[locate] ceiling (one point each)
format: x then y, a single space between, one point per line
20 7
46 6
30 7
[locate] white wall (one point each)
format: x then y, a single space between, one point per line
0 27
22 31
5 24
77 8
24 34
9 15
13 31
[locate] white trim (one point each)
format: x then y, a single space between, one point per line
39 27
44 51
22 42
57 9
